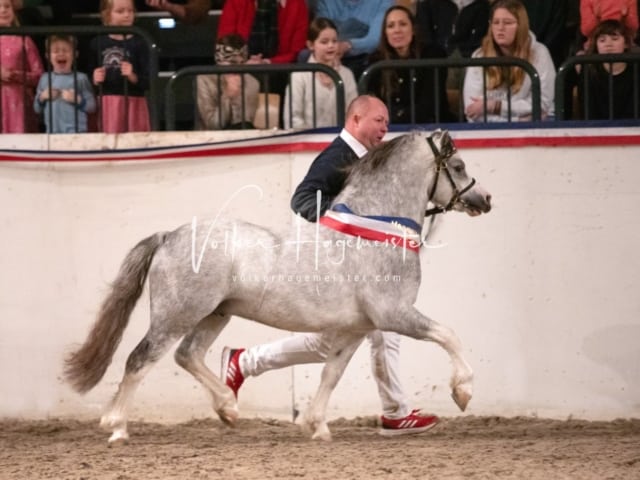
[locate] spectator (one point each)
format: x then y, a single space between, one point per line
359 25
548 20
187 11
399 40
508 89
120 69
20 70
313 96
609 37
456 25
366 125
592 12
228 101
64 95
275 30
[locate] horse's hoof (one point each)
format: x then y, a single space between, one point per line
229 415
119 437
461 396
111 422
322 433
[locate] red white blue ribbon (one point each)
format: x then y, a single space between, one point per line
389 231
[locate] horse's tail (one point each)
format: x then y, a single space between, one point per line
86 366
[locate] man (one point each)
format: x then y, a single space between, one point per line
366 125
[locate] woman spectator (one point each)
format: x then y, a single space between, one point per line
399 40
609 37
508 88
313 96
227 101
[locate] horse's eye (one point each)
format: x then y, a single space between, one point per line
457 165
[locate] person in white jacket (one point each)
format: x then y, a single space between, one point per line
508 36
307 89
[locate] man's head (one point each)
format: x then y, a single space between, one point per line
367 120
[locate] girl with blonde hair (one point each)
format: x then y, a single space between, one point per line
508 88
121 71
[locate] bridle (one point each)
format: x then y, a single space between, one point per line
442 155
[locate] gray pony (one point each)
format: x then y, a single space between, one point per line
203 273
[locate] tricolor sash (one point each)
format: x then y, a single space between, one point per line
397 232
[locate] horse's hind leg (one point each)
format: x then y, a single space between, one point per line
190 356
343 347
150 349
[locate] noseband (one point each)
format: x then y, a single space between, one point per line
442 155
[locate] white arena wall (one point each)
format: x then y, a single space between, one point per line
543 291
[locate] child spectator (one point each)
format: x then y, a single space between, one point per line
508 36
64 95
400 40
20 69
592 12
313 96
609 37
121 70
359 23
275 30
227 101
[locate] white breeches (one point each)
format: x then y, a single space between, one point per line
314 347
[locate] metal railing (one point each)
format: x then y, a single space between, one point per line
440 63
81 31
264 73
564 83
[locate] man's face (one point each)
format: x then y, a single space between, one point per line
372 124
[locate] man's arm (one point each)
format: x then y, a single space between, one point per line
193 11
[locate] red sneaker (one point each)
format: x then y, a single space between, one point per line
230 371
415 422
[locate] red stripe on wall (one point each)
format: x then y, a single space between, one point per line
292 147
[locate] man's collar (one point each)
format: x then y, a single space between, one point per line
355 145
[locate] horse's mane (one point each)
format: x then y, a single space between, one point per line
374 159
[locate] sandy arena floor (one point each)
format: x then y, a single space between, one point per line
458 448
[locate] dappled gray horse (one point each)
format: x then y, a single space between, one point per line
202 274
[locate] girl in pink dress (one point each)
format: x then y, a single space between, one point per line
121 72
20 70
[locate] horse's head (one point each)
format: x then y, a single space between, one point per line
452 188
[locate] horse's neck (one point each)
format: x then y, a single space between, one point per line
398 189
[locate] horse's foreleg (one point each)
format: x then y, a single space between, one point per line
314 419
414 324
461 383
190 356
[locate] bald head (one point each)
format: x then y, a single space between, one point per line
367 120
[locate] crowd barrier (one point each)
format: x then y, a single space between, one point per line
168 97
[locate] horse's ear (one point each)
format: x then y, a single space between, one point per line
445 148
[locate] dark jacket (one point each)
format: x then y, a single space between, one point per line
597 101
327 173
441 23
398 100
